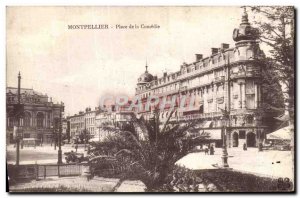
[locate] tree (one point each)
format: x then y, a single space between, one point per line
272 97
276 25
81 137
150 156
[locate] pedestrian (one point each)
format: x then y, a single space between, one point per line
245 147
206 150
260 147
76 147
212 150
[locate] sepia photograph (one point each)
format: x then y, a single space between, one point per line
150 99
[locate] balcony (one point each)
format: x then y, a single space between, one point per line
200 116
244 74
253 73
238 75
219 79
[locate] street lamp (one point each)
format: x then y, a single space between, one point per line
18 112
18 138
224 120
76 140
52 135
59 161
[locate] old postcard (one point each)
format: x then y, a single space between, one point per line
150 99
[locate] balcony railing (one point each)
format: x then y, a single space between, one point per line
200 116
253 73
238 75
244 74
220 79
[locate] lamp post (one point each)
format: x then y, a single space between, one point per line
59 161
18 139
225 118
76 140
85 134
52 128
18 111
155 120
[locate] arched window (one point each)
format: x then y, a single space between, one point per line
27 118
40 120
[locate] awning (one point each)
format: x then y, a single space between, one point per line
282 118
281 134
212 134
95 139
207 124
195 108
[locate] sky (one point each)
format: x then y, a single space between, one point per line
79 66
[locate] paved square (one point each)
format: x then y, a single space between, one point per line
269 163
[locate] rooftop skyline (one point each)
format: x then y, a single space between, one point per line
79 66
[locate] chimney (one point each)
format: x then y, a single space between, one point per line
214 50
198 57
224 46
165 74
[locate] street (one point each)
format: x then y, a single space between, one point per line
41 155
270 163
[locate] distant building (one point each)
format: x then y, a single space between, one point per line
89 117
39 114
66 128
76 124
104 119
115 117
84 120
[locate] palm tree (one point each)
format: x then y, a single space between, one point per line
150 159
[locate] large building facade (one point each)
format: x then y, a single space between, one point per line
39 114
228 79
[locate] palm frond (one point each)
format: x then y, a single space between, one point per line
167 121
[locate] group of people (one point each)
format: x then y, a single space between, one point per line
209 149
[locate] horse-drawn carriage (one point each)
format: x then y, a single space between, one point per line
73 157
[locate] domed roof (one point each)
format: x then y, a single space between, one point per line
145 77
245 31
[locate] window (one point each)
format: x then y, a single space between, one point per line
242 134
250 96
250 87
27 118
249 53
249 119
250 101
40 120
26 135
